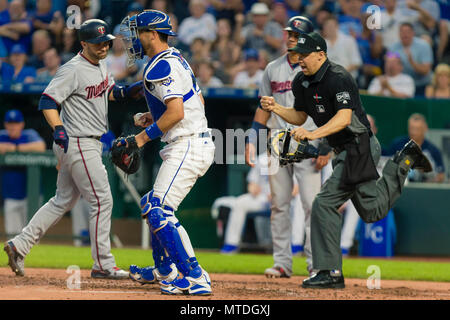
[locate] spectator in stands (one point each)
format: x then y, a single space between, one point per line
15 139
350 22
417 128
117 61
443 50
227 9
370 46
280 14
252 75
440 83
293 8
424 15
44 18
393 83
199 50
40 42
22 73
224 43
341 48
416 55
70 45
205 75
52 62
15 27
391 18
199 25
261 33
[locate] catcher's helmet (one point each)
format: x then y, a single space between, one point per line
94 31
300 24
154 20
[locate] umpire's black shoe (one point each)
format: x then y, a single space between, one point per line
411 156
325 279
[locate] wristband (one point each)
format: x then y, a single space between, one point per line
252 138
153 131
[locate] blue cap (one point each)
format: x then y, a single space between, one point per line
13 116
17 48
251 54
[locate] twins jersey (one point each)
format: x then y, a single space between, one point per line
169 79
82 88
276 82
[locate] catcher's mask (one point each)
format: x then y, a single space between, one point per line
288 150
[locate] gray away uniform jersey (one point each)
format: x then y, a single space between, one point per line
82 89
277 80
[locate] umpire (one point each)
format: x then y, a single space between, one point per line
329 95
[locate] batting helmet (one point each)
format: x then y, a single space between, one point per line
94 31
300 24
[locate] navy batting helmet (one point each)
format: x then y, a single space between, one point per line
94 31
300 24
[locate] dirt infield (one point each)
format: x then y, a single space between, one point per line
51 284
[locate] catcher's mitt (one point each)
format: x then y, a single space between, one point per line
287 150
125 154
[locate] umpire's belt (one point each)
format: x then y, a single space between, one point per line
341 148
205 134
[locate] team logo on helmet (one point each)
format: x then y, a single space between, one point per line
101 29
297 23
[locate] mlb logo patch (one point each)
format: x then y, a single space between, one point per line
101 30
301 40
320 108
342 96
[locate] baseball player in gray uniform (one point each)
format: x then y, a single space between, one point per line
81 88
277 83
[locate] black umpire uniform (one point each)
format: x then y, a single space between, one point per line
357 151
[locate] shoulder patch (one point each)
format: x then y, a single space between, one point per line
158 72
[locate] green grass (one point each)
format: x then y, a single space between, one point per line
49 256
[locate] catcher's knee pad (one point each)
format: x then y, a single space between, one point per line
146 199
148 202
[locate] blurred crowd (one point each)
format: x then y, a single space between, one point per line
397 48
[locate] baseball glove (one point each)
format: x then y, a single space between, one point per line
125 154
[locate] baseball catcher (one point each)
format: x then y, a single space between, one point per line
125 154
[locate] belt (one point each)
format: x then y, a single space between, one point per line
199 135
339 149
91 137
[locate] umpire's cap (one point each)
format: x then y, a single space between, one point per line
310 42
94 31
299 24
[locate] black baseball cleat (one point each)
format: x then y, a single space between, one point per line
325 279
411 156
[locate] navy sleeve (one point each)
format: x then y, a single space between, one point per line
47 103
437 157
299 101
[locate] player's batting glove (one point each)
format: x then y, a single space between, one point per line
135 90
61 138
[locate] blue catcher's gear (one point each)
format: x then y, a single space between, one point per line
168 234
147 20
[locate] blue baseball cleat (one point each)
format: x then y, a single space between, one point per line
200 286
149 275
